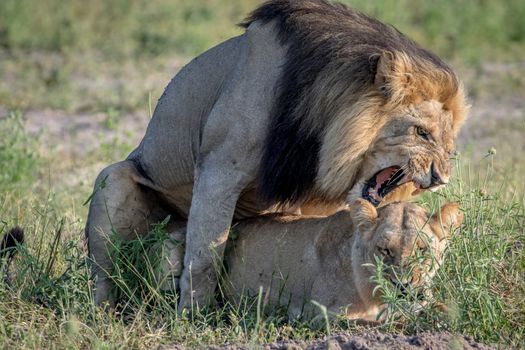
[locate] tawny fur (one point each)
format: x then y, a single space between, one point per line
299 259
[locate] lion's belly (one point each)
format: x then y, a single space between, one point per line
249 205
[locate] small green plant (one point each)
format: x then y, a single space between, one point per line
324 313
19 160
405 306
135 265
112 118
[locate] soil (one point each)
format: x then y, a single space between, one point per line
369 341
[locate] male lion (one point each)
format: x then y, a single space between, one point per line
296 259
313 103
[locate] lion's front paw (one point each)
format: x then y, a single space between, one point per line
196 289
102 296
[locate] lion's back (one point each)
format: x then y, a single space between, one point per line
169 149
228 90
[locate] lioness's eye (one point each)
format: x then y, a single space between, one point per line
423 250
422 132
385 252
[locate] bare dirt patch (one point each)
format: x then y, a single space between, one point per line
369 341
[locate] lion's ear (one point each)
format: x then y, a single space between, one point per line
363 214
383 71
392 75
447 220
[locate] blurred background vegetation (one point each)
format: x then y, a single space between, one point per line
53 51
122 27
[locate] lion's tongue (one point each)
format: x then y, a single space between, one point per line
383 176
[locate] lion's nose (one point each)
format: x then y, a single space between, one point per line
436 178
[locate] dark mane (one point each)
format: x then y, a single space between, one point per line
319 36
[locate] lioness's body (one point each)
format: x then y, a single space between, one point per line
306 107
298 259
330 260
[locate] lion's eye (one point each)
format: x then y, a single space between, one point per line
422 132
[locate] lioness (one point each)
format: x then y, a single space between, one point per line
314 103
330 259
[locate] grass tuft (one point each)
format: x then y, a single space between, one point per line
19 159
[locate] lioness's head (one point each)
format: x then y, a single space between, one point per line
398 233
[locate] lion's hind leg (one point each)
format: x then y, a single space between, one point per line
121 206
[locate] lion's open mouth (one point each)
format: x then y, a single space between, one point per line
384 182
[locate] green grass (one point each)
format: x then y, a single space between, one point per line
18 152
120 27
50 305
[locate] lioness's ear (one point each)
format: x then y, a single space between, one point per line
447 220
392 75
363 214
